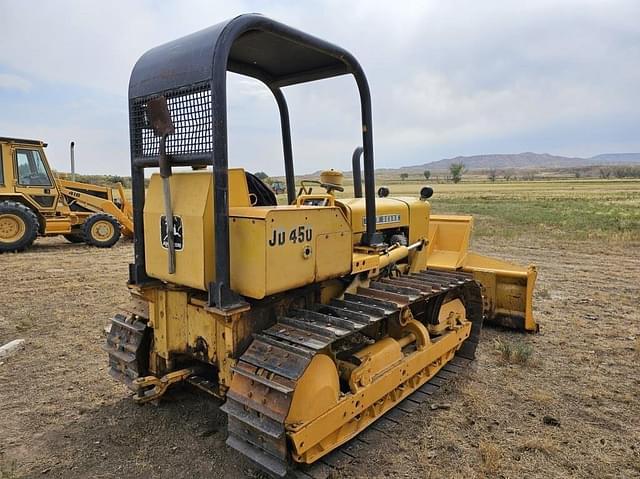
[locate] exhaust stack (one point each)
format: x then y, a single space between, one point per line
73 161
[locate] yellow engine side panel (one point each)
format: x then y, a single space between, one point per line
191 201
275 249
406 213
333 255
390 213
248 256
272 249
419 212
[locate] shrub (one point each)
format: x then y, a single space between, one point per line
514 352
457 170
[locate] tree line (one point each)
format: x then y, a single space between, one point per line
456 170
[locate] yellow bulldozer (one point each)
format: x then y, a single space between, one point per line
311 320
33 202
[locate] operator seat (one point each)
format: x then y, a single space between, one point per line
263 194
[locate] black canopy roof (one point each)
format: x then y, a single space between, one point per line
253 44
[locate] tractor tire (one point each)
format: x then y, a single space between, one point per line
101 230
75 238
18 226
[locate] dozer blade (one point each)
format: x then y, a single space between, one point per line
508 291
507 287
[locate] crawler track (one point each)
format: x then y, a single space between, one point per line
266 374
382 429
128 348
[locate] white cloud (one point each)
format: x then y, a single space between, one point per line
9 81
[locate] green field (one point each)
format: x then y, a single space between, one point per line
607 210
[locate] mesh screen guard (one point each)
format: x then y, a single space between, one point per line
190 110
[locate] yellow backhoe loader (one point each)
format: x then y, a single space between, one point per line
315 321
35 203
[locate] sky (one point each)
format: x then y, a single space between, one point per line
447 77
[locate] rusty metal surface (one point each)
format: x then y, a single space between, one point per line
397 298
412 293
388 306
275 359
335 311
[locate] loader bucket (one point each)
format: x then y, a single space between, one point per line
507 287
127 211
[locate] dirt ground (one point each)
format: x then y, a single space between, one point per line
62 416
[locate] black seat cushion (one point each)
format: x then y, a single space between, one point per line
264 195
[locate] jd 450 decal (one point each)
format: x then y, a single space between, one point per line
299 234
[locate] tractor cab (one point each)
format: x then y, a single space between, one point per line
25 172
31 169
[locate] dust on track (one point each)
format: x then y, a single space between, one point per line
63 416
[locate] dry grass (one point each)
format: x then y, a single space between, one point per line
504 348
491 455
522 353
538 444
540 396
516 352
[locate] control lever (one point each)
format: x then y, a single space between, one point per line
160 120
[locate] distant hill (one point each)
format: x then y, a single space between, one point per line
525 160
616 158
515 161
